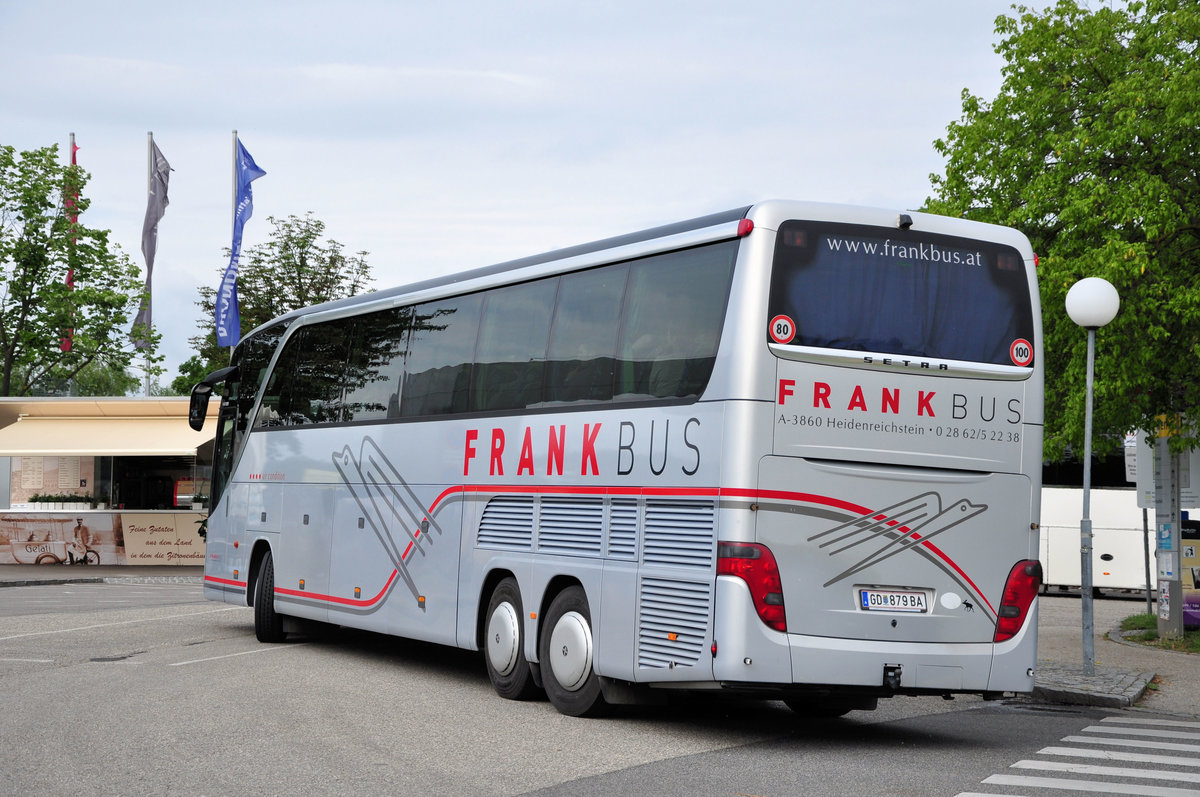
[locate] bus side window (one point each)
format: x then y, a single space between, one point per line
306 385
583 341
511 354
437 373
375 368
674 309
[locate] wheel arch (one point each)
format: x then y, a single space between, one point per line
556 585
261 547
490 582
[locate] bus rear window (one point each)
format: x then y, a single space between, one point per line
901 292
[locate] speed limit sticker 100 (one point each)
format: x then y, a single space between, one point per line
1021 352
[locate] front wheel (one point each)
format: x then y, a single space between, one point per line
504 644
566 653
268 624
91 557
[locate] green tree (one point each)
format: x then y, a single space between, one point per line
97 378
295 268
41 242
1092 148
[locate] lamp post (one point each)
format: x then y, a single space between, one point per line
1091 303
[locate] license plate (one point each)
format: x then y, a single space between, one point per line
892 600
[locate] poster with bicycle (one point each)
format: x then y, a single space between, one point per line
93 538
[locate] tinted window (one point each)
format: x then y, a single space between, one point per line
632 331
306 385
442 347
583 342
902 292
252 357
375 371
511 354
674 310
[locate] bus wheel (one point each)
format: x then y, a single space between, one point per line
504 645
268 624
565 651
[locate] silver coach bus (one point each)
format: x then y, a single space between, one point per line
792 450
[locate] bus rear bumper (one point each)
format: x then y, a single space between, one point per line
748 652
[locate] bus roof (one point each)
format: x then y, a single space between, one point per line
650 234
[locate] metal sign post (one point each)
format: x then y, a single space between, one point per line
1168 530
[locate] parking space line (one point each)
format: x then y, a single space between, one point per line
231 655
122 622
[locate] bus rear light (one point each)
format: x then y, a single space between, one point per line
1024 581
745 227
755 564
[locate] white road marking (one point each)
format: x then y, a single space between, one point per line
122 622
262 649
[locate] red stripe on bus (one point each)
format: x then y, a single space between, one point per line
704 492
567 489
298 593
227 582
862 510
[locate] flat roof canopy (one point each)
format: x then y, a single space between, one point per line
100 427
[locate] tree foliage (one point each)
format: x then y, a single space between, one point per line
41 241
295 268
1092 148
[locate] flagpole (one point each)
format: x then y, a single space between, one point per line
149 292
233 206
70 339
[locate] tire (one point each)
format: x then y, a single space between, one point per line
268 624
504 644
830 708
91 557
565 650
48 559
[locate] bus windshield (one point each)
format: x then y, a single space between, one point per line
896 291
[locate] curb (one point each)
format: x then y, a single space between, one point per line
1108 688
45 582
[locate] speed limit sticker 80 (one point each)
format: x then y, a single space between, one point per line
782 329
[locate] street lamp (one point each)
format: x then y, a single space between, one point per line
1091 303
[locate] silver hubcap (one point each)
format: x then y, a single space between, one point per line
503 638
571 651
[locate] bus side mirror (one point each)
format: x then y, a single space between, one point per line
198 408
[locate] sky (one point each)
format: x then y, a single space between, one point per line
444 136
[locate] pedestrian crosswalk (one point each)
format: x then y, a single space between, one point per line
1121 756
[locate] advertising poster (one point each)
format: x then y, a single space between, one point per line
1191 581
101 538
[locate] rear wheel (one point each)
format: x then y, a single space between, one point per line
504 644
268 624
566 653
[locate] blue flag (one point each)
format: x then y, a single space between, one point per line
229 324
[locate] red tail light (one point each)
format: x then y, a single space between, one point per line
755 564
745 227
1024 581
